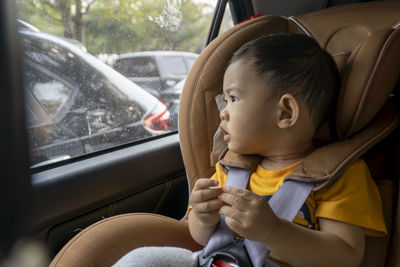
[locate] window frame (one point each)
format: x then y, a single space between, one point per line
240 11
16 198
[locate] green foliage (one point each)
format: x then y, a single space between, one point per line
122 26
33 12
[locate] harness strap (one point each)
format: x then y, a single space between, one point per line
223 235
286 203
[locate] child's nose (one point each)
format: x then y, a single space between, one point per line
224 115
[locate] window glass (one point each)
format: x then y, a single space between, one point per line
174 65
190 61
137 67
51 94
102 73
227 20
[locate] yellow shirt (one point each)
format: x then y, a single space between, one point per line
353 199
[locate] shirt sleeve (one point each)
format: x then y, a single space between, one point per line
353 199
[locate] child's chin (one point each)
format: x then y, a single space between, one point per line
237 149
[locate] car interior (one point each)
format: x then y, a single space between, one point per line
93 209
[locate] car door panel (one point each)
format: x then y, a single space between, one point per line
158 199
147 177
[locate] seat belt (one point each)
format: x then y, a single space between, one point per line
286 203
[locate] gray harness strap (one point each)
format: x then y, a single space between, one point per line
223 235
286 203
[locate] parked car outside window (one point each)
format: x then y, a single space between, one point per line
76 104
156 72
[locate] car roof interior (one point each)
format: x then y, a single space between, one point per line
104 241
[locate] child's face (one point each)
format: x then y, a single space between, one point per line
249 121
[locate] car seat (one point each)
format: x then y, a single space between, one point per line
364 40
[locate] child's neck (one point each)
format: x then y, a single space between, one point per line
274 163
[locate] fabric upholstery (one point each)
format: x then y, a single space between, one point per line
104 242
327 163
376 247
353 35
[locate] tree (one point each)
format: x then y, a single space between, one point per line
121 26
139 25
68 13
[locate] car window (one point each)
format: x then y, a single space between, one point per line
190 61
51 94
227 20
82 93
174 65
137 67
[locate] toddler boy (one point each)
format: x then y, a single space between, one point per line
279 89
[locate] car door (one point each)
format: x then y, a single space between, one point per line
51 202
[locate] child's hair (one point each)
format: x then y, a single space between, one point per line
296 64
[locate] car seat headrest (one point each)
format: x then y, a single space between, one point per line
366 51
364 41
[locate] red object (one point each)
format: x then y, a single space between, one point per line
218 263
158 121
252 17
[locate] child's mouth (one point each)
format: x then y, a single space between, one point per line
226 134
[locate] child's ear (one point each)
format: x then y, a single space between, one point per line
288 111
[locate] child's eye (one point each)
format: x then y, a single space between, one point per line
234 98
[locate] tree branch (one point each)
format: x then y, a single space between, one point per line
88 6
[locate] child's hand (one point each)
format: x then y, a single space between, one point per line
205 202
248 214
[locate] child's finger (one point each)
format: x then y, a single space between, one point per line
242 193
235 225
235 201
231 213
203 183
205 194
208 206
